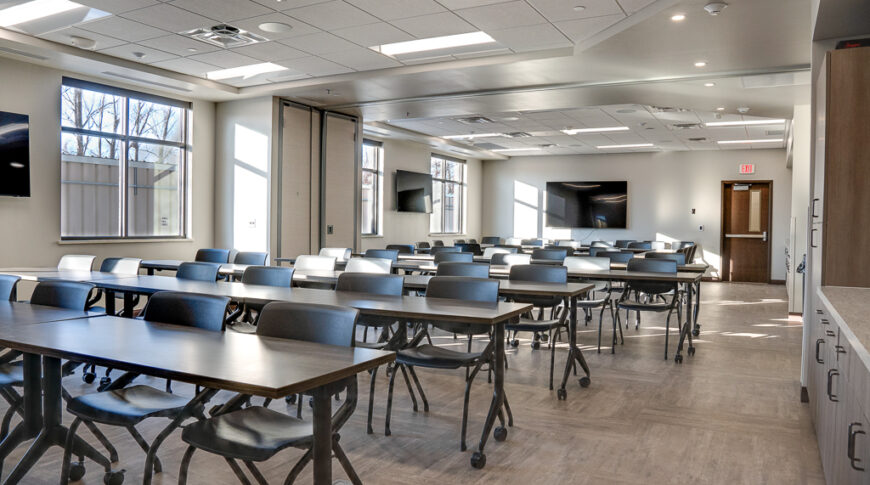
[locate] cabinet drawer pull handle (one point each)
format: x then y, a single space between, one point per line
819 312
813 212
840 349
831 396
812 239
851 448
818 343
825 321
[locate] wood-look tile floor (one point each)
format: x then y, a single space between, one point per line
730 414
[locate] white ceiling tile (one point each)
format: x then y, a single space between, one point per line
121 28
118 6
224 10
457 4
63 36
186 66
270 51
170 18
315 66
332 15
632 6
179 45
128 51
299 27
373 34
319 43
398 9
556 10
285 4
502 16
361 59
530 37
582 29
225 59
434 25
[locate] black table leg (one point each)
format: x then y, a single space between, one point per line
29 427
322 436
575 355
478 458
128 305
697 330
110 302
687 327
52 432
150 271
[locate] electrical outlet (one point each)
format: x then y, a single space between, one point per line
330 229
700 228
693 210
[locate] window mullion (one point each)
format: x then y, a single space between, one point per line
124 159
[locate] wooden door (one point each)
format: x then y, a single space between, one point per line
746 231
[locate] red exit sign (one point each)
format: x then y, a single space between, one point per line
747 169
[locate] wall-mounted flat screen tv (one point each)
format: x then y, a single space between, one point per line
597 205
14 155
413 192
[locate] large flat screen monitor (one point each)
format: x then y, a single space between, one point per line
413 192
598 205
14 155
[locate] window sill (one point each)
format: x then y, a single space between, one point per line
372 236
440 234
73 242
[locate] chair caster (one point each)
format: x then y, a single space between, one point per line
500 433
291 399
696 332
691 351
536 344
88 377
478 460
114 477
585 381
105 381
76 471
678 359
562 394
544 337
515 343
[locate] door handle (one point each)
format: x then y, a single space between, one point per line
819 342
850 451
764 236
831 374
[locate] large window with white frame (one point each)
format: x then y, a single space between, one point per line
124 163
448 195
371 187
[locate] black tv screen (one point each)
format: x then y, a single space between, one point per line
413 192
14 155
598 205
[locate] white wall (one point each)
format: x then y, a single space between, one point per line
800 201
408 228
31 226
663 188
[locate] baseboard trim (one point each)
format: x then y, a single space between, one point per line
777 282
796 314
805 395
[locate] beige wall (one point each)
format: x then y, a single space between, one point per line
31 226
408 228
663 188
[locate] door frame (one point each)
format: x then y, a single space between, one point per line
726 269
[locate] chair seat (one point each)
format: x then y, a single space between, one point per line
255 433
645 307
530 325
437 357
11 375
370 345
591 303
128 406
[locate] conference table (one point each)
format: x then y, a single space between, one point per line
152 265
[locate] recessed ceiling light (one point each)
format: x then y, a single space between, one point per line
605 129
700 63
678 17
511 150
35 9
433 43
82 42
720 108
744 123
245 72
631 145
579 8
625 111
472 136
736 142
709 85
275 27
510 118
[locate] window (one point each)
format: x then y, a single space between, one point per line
123 163
371 193
448 194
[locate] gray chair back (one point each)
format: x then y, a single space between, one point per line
250 257
680 258
652 266
617 257
423 245
453 257
188 309
8 286
623 243
473 270
391 254
371 283
71 295
640 245
212 255
539 273
597 250
402 248
437 243
268 276
323 324
600 244
444 249
491 240
198 271
76 262
124 266
556 254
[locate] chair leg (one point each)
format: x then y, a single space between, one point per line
410 391
599 332
369 429
298 467
185 465
419 388
238 471
462 445
345 463
261 480
510 415
387 431
667 333
552 363
113 453
67 451
158 467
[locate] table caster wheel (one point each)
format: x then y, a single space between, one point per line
478 460
515 343
691 351
500 433
105 381
114 477
89 377
678 359
696 332
544 337
536 344
291 399
76 471
585 381
562 394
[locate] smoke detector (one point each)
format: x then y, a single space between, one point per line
743 110
715 8
223 35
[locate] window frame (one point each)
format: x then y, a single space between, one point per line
378 177
462 192
125 140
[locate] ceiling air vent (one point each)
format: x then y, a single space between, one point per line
667 109
698 138
518 134
686 126
488 146
474 120
225 36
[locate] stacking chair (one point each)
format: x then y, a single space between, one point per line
62 294
76 262
278 276
598 250
129 406
472 270
211 255
9 287
444 249
472 248
431 356
616 256
650 289
369 265
680 258
533 242
423 247
458 241
340 254
307 262
550 254
471 241
437 243
252 258
453 257
375 284
490 240
198 271
640 245
257 433
588 263
391 254
489 252
510 259
623 243
402 248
